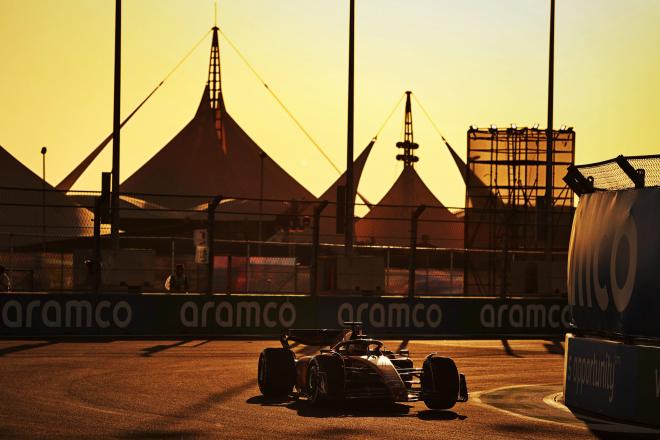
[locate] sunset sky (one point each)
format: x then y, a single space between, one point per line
469 62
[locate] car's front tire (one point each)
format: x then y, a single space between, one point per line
325 379
440 382
276 373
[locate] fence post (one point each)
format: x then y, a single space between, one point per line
96 264
451 271
247 268
387 270
229 274
414 216
426 284
172 255
11 257
210 229
313 288
61 270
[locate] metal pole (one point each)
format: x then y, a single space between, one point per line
43 198
11 257
262 156
350 190
315 247
247 268
387 270
413 249
115 129
172 256
210 229
549 141
97 244
451 272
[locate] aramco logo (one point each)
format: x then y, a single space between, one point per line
602 258
226 314
66 314
392 315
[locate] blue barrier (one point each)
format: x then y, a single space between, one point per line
613 276
613 379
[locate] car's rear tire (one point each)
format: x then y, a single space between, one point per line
440 382
276 374
325 379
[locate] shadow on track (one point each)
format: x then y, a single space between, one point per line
24 347
158 348
353 409
507 348
554 347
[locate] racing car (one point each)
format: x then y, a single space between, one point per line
354 366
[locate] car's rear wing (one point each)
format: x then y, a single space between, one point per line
320 337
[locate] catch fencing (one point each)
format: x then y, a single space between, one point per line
257 247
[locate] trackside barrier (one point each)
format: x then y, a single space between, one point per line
613 263
613 379
158 315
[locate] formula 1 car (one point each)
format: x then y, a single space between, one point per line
356 367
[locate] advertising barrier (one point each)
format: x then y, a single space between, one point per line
613 276
134 315
150 315
448 317
613 379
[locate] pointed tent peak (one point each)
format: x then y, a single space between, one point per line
358 166
473 181
408 144
214 88
22 215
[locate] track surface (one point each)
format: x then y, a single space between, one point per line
207 389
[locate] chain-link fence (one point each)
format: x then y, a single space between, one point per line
259 246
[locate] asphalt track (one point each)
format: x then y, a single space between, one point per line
207 389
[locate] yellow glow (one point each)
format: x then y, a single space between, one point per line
472 62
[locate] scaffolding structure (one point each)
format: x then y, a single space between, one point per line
507 209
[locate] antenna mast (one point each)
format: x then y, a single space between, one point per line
215 85
409 146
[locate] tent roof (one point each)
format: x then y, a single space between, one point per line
327 221
388 223
195 163
21 213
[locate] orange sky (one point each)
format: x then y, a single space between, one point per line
469 62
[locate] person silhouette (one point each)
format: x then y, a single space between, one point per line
5 281
177 281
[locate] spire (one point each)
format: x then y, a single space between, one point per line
215 86
408 157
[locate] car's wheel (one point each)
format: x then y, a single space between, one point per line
440 382
276 372
325 379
